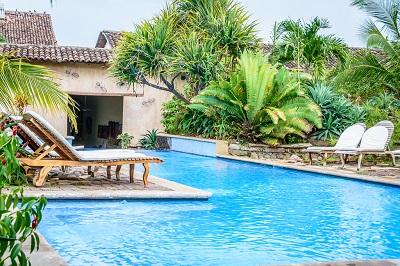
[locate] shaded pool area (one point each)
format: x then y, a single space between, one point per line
257 215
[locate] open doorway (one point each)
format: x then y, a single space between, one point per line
99 121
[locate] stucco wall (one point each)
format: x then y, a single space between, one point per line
140 113
144 113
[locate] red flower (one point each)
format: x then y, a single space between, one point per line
34 221
3 125
4 161
15 130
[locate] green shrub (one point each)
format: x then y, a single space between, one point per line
149 140
338 112
172 112
125 140
384 107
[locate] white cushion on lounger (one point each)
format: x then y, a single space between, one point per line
112 154
374 140
350 138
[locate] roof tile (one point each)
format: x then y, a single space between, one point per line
59 54
110 36
27 28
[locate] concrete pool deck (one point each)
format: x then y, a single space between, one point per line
77 185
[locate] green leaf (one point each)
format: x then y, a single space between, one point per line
32 243
9 201
37 240
14 252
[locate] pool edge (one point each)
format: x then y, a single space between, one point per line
317 170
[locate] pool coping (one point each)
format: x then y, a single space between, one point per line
317 170
176 191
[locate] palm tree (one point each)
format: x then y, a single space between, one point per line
377 67
261 102
301 42
23 84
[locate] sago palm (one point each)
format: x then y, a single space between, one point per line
260 101
24 84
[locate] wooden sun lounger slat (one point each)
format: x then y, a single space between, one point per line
70 157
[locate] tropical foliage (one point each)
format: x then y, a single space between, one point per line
149 140
338 112
377 68
125 140
384 107
18 222
300 42
190 41
23 84
260 102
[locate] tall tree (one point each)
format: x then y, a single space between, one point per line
302 43
23 84
378 66
193 40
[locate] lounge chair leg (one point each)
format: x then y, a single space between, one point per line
360 157
109 172
342 160
325 158
393 159
30 173
94 173
40 179
131 173
146 174
117 170
310 158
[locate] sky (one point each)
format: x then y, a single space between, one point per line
78 23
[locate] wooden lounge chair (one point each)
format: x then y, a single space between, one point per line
374 141
68 156
30 141
349 139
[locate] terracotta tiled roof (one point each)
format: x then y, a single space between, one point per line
58 54
108 36
27 28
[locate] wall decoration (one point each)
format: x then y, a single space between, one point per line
101 87
148 102
72 73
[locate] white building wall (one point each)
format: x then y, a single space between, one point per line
140 113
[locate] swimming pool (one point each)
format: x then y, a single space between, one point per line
257 215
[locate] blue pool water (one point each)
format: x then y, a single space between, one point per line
257 215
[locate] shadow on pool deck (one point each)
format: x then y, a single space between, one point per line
76 184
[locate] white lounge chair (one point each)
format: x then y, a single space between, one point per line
393 155
349 139
374 141
70 157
